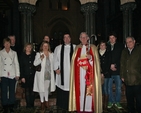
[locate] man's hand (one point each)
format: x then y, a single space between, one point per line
17 77
89 56
57 71
122 79
113 68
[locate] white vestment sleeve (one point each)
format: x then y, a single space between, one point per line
56 63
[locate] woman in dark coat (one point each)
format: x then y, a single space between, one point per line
105 69
27 73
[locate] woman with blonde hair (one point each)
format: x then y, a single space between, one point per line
44 79
27 73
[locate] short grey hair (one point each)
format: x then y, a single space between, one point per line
130 37
83 33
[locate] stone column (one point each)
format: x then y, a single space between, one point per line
89 11
27 11
127 9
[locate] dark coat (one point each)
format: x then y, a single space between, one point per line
131 66
27 70
115 56
17 48
105 64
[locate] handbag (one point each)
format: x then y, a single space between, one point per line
38 68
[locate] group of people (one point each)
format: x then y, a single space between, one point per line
82 75
120 64
110 54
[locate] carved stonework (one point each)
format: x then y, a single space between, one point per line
128 6
25 7
89 12
127 10
90 7
33 2
87 1
27 11
126 1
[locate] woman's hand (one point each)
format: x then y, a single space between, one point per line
42 56
23 80
102 75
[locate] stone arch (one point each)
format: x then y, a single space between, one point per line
56 32
126 1
81 1
32 2
57 18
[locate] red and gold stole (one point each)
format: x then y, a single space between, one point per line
84 63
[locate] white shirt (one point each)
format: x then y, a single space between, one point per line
130 50
102 52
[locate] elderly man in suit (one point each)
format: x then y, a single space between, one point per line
131 74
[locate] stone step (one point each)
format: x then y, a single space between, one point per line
37 103
20 96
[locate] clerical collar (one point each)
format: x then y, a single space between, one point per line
84 44
67 44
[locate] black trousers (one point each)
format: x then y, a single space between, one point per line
62 98
7 91
133 96
30 97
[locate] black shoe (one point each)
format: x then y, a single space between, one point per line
5 109
11 108
50 111
64 111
